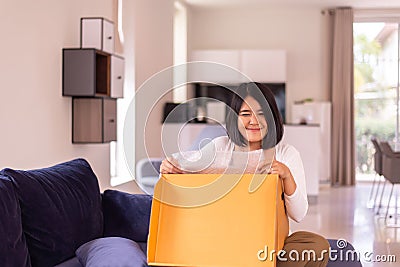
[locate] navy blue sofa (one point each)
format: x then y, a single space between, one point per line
50 213
57 216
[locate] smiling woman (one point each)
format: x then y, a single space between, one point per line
254 124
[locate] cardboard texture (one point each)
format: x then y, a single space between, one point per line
216 220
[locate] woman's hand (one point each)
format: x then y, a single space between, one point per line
281 169
289 185
170 165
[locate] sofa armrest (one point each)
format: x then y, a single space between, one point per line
126 215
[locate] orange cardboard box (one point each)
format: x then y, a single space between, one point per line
217 220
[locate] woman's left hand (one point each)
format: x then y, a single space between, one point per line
281 169
289 185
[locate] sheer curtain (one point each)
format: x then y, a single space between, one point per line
342 92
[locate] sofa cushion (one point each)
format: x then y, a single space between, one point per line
126 215
111 251
342 254
13 248
61 209
73 262
143 246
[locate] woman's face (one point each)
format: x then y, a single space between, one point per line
252 123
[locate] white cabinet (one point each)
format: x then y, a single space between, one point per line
117 76
230 58
318 113
97 33
264 65
258 65
226 57
305 138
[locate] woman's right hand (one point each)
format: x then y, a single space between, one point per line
170 165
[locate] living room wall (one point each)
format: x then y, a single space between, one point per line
301 31
35 118
153 45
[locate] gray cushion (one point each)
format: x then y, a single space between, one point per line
111 251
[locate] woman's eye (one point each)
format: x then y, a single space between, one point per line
244 114
260 113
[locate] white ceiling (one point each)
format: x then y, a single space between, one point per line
361 4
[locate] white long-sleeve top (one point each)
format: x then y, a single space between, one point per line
296 204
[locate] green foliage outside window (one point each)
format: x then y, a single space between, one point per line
374 105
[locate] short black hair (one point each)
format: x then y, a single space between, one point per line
264 96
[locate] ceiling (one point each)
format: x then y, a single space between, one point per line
361 4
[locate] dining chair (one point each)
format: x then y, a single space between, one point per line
391 172
378 173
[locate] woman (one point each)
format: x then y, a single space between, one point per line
254 124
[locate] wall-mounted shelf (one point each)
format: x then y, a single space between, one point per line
97 33
94 120
92 73
94 77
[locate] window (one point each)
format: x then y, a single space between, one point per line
376 87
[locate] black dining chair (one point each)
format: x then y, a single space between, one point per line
378 173
391 172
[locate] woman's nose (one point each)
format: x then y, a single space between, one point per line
253 119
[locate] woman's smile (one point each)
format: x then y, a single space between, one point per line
253 129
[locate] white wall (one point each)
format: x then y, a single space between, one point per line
153 46
35 119
300 31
